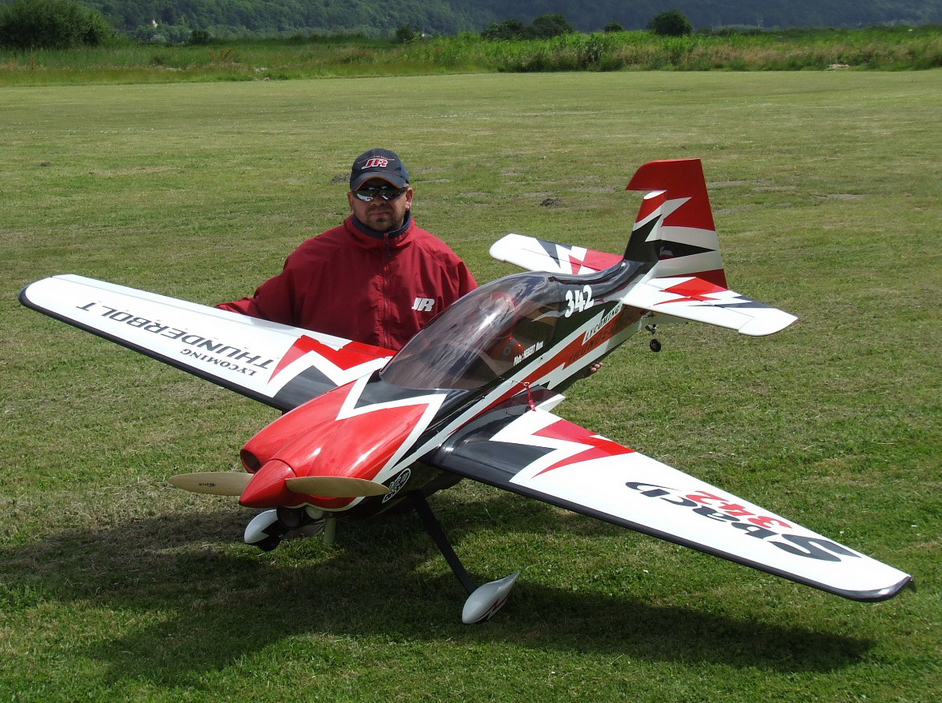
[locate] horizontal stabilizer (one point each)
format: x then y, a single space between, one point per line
692 298
535 254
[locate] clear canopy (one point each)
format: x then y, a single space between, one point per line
480 337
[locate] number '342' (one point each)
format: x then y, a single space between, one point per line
578 300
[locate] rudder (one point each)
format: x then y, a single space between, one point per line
674 229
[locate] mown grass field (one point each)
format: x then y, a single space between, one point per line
825 187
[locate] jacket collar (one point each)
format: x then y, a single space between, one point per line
369 238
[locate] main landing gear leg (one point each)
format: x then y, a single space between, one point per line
482 602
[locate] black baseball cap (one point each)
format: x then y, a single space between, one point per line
379 163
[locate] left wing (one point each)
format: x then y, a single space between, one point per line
540 455
276 364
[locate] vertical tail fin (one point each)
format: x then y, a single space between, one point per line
674 229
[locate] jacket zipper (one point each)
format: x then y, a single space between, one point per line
385 320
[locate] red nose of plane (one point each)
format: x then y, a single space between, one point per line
355 448
331 437
268 489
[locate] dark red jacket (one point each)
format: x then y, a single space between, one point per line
370 288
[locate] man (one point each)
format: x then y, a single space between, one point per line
378 278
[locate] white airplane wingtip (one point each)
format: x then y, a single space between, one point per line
770 322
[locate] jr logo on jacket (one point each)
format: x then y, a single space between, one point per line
423 304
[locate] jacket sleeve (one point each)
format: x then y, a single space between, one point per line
274 300
465 279
243 306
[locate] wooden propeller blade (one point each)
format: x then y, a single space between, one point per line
219 483
335 486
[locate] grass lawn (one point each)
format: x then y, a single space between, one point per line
825 187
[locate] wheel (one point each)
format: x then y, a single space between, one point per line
655 345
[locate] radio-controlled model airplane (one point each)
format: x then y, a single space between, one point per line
471 396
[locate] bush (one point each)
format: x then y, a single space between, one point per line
672 23
508 29
549 26
52 24
543 27
200 37
405 34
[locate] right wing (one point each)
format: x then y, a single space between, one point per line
540 455
276 364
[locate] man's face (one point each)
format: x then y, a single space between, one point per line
378 214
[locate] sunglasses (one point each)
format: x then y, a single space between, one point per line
385 192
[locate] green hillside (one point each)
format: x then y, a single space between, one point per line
375 18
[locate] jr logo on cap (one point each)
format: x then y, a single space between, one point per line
376 162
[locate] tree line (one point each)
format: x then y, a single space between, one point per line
176 20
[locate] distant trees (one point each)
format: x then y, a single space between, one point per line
405 34
51 24
174 21
543 27
546 26
671 23
508 29
200 37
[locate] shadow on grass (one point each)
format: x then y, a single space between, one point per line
208 600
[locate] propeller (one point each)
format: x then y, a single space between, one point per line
335 486
230 483
219 483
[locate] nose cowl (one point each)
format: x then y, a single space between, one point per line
331 437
